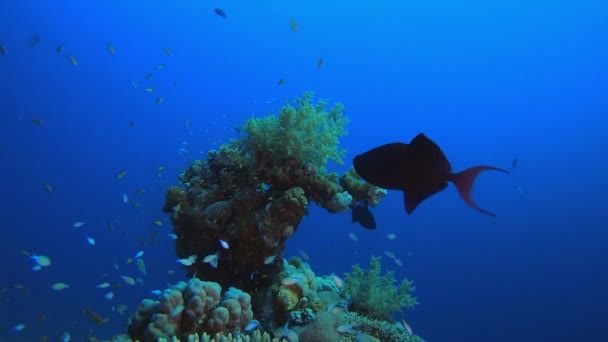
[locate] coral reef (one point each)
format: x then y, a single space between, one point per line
191 308
251 195
305 133
376 296
360 189
253 192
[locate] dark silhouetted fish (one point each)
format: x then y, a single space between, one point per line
220 12
419 169
361 214
514 163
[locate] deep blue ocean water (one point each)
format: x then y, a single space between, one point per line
488 81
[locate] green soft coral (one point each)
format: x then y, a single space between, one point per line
376 296
307 133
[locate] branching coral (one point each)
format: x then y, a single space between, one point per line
307 133
376 296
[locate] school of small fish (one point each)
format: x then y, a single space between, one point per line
41 262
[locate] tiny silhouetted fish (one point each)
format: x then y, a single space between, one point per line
220 12
361 214
514 163
33 41
419 169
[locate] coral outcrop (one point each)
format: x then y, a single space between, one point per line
253 193
191 308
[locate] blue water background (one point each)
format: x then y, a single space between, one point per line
488 81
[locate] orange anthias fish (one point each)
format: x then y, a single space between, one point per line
419 169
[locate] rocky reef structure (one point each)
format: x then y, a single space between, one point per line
254 191
300 305
233 213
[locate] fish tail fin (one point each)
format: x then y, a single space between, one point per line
464 184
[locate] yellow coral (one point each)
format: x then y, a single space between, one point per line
288 297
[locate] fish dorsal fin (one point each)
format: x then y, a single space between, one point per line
424 151
412 199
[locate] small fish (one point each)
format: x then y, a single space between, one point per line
59 49
160 100
253 325
320 63
407 326
36 268
48 188
514 163
103 285
138 254
125 198
294 25
281 81
78 224
141 266
128 280
398 262
156 292
269 259
224 244
134 84
41 260
337 281
132 124
111 49
211 259
389 254
419 169
121 174
168 52
91 241
109 295
160 66
121 309
391 236
33 41
290 281
37 122
3 50
173 236
60 286
189 261
148 76
73 61
19 327
353 237
94 316
344 328
66 337
304 255
129 260
220 12
150 89
158 223
177 310
361 214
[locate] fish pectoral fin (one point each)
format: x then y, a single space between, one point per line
412 199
